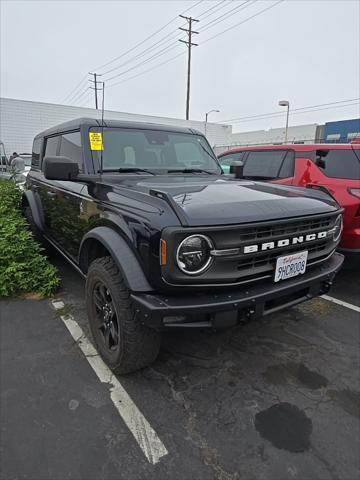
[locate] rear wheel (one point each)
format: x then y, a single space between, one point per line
123 342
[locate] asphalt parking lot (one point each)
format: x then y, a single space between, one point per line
274 399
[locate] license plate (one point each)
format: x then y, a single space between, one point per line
290 266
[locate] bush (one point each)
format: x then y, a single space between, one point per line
23 268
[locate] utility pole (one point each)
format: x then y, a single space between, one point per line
95 82
189 44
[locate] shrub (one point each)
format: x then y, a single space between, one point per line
23 267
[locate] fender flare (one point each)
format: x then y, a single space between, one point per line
121 253
35 204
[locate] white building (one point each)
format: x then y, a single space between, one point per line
21 120
309 133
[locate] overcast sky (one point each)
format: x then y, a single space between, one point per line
304 51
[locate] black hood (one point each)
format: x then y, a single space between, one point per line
218 200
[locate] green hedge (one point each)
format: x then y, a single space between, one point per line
23 267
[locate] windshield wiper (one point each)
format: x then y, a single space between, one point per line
128 170
191 170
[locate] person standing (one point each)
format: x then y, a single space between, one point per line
12 158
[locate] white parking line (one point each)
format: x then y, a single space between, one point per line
144 434
340 302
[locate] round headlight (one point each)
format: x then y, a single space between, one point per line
193 255
338 228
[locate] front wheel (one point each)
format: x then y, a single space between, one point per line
122 340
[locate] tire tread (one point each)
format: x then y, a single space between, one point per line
140 343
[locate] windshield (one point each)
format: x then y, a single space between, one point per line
154 150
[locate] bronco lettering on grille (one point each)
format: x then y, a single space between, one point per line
284 242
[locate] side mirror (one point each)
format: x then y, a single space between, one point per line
60 168
320 158
320 162
237 168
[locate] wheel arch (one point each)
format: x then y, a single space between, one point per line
103 241
29 199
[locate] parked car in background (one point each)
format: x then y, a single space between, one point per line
334 169
16 169
20 167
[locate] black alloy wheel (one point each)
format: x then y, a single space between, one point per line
106 316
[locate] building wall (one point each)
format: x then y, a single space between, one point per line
21 120
303 133
342 131
299 134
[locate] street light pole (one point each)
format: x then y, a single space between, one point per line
286 103
206 118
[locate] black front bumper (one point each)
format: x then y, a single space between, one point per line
220 310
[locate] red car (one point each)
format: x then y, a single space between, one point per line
334 168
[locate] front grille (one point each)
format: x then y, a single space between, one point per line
244 267
283 229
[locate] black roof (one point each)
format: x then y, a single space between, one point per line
93 122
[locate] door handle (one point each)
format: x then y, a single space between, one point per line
51 194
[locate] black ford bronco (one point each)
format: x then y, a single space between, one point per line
165 239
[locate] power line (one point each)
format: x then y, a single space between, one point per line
85 99
277 113
176 56
147 38
148 70
164 40
144 62
69 95
299 113
243 21
159 43
201 15
215 8
227 14
81 95
74 92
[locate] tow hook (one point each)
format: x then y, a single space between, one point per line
326 286
250 312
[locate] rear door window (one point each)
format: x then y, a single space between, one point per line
269 164
51 146
35 156
70 147
339 163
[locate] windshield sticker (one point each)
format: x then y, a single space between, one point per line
96 141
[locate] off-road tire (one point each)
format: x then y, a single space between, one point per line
33 228
138 345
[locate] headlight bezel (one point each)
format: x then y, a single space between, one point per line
209 260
